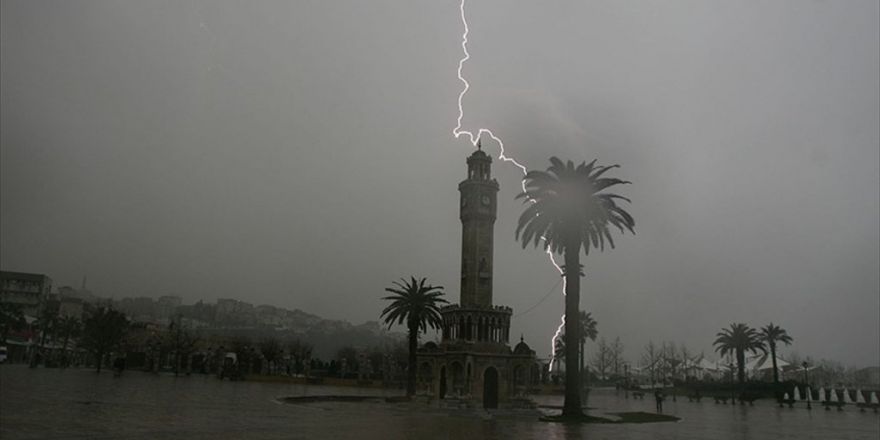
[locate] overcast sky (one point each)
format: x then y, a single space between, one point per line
300 154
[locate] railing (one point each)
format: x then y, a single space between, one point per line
497 309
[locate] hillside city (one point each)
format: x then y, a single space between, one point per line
228 319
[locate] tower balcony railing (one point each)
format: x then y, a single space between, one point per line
476 308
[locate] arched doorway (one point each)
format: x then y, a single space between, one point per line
442 382
490 388
426 377
457 378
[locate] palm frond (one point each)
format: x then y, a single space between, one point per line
567 201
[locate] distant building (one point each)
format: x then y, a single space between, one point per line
139 309
70 307
28 290
166 306
235 313
82 293
474 362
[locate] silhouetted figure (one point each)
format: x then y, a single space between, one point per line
36 359
118 366
658 397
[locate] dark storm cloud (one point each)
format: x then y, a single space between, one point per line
300 154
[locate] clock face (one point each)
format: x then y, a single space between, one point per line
486 200
463 202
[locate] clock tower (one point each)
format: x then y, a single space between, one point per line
473 357
479 194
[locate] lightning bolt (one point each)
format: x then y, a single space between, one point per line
474 138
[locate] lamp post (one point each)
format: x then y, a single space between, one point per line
626 380
807 386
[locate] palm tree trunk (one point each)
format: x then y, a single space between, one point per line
775 369
741 366
572 405
411 368
65 358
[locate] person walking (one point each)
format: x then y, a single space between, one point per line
658 397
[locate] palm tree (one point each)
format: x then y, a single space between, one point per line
589 331
568 210
559 348
770 335
418 305
738 339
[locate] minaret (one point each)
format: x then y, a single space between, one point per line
478 209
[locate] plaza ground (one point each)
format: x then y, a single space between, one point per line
75 403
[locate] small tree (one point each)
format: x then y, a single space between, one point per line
11 319
104 332
47 323
685 356
302 355
651 359
180 341
69 327
671 360
244 353
601 359
272 351
347 360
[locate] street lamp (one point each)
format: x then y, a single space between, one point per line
807 386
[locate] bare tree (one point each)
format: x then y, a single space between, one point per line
272 352
181 342
671 361
687 362
601 358
104 331
347 358
302 355
651 358
615 354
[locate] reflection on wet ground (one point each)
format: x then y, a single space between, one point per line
47 403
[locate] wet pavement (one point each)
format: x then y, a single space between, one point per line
74 403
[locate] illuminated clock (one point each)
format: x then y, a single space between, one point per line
486 200
463 202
